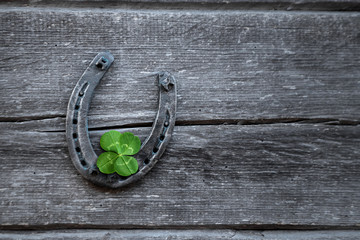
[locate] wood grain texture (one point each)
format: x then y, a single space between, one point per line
296 176
180 235
191 5
229 65
237 67
201 1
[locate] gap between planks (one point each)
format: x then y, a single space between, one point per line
263 121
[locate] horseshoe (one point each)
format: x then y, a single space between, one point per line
81 151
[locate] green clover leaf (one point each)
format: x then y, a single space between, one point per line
105 162
118 147
130 144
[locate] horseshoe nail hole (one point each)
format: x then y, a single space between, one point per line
74 121
155 149
99 65
81 93
83 162
162 137
94 173
77 107
74 135
166 123
103 60
78 149
147 161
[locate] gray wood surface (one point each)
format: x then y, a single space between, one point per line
288 5
181 235
199 1
271 100
284 175
237 66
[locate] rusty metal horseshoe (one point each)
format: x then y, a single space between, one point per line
81 151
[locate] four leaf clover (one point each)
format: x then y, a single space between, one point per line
118 147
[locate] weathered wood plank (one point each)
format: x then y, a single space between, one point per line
199 1
262 4
229 65
234 176
181 235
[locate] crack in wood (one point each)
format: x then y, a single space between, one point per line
325 121
328 121
214 122
31 118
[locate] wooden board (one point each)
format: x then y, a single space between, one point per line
235 66
181 235
271 5
227 176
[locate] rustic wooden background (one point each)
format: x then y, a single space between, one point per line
267 138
